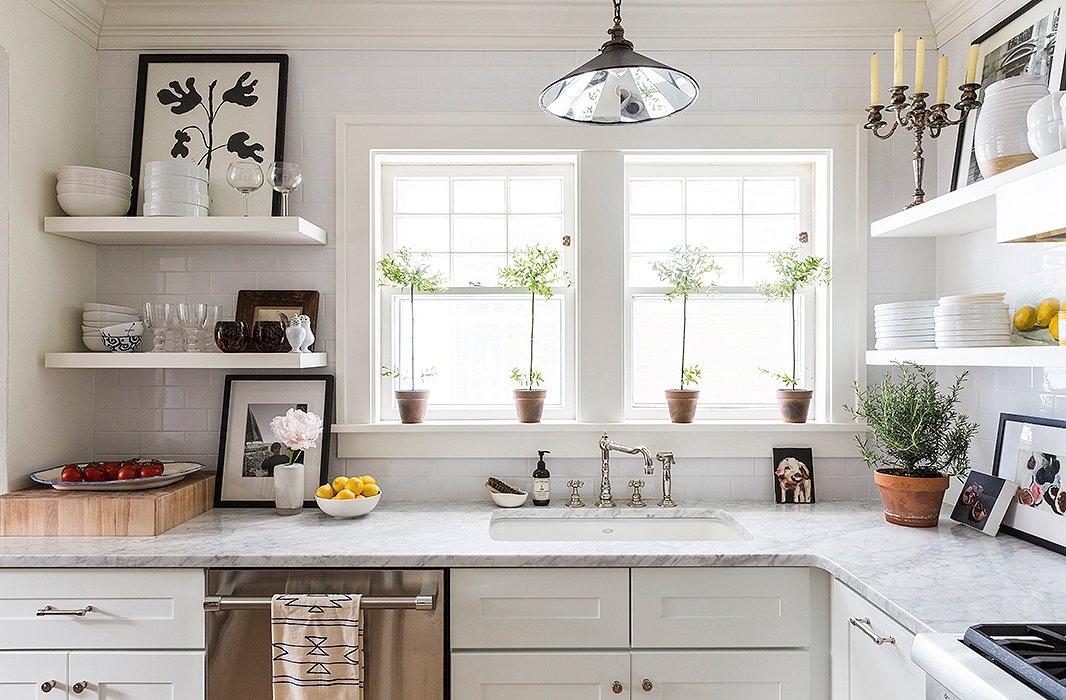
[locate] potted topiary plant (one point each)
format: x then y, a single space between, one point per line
399 270
535 269
919 440
685 271
793 274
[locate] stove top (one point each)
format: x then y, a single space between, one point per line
1036 654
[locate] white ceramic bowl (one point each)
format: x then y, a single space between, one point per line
122 337
113 308
71 174
173 209
94 342
352 508
154 195
93 204
112 316
175 182
1046 109
124 192
1047 138
175 167
509 500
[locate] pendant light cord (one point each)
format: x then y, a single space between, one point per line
618 12
617 34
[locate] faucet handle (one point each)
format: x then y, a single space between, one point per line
667 458
636 501
575 498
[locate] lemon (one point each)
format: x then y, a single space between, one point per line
371 490
1053 327
1025 318
355 485
324 491
1047 310
368 479
344 495
360 496
339 484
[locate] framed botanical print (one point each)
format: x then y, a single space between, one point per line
212 110
247 449
277 305
1025 43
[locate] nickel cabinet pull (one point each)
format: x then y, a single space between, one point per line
647 685
49 610
48 686
79 687
863 623
616 688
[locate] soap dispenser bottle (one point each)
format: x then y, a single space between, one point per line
541 481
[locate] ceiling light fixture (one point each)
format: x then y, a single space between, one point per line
619 86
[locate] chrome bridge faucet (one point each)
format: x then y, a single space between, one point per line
667 459
606 447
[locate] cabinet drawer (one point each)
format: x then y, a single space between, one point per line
539 608
716 608
573 675
736 675
131 609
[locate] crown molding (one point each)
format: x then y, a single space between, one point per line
951 18
505 24
83 18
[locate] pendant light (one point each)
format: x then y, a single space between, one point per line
619 86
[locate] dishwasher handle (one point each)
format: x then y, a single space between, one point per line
219 603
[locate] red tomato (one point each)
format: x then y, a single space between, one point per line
110 471
151 470
70 473
126 473
94 474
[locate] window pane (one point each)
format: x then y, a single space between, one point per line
422 195
480 269
655 234
479 233
770 233
757 268
536 230
422 233
732 273
729 337
640 272
719 196
536 195
655 196
483 196
716 233
771 196
474 341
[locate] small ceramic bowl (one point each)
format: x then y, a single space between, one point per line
123 337
509 500
352 508
94 342
231 336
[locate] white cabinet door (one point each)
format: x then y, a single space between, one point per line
28 675
721 675
138 675
862 668
571 675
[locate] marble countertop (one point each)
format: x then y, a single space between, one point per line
937 579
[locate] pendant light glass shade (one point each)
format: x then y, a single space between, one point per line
619 86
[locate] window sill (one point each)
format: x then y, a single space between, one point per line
479 439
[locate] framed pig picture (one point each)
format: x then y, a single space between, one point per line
793 475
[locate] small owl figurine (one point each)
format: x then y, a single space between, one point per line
295 334
309 336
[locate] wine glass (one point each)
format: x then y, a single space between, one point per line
210 319
284 178
156 319
244 177
192 318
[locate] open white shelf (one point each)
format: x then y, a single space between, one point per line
1011 356
187 230
969 209
185 360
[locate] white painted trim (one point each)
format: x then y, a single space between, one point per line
82 18
951 18
5 270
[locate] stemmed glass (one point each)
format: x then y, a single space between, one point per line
157 318
284 178
210 318
192 318
244 177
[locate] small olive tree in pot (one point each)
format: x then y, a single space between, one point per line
686 272
535 269
398 269
793 274
919 439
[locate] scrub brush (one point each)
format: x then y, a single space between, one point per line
497 486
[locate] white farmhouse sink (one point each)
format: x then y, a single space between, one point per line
607 528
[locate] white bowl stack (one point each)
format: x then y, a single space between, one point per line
173 188
84 191
904 325
96 317
973 321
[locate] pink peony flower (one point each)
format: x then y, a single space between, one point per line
297 430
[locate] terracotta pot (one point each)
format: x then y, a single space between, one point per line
682 404
913 501
529 403
794 404
412 404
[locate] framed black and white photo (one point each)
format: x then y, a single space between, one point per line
212 110
793 475
248 450
983 502
1025 43
1030 451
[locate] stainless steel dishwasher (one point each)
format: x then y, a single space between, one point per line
404 644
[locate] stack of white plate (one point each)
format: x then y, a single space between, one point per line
173 188
84 191
972 321
96 317
904 324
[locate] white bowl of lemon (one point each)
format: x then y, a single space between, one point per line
348 496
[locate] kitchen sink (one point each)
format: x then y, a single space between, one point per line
617 527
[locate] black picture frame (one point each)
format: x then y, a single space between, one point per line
793 482
1053 538
327 382
148 60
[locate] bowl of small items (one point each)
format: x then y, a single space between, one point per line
122 337
348 496
505 495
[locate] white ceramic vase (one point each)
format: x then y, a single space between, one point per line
295 335
289 488
1000 138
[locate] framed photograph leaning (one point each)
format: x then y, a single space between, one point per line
247 450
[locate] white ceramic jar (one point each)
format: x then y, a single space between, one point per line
289 488
1001 139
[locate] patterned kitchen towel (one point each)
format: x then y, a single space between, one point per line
317 647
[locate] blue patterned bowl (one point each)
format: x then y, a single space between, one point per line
122 337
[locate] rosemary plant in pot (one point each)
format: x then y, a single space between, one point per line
400 270
919 440
535 269
793 274
685 272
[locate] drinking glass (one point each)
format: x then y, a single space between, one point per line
157 319
192 318
284 178
246 178
211 317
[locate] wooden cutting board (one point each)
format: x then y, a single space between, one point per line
43 511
